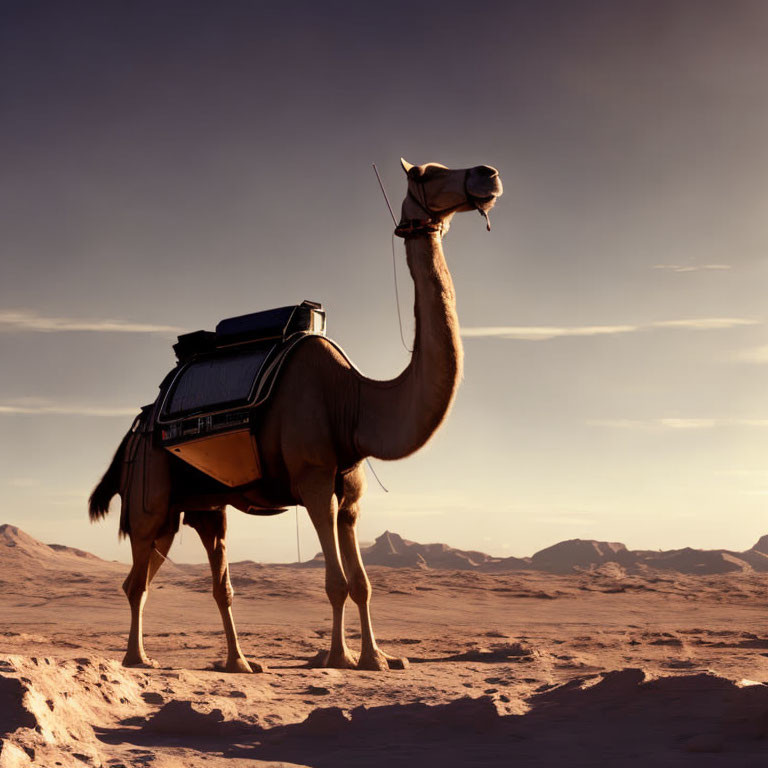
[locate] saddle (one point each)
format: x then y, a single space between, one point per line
206 409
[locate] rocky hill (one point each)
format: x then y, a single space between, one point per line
34 559
570 556
581 553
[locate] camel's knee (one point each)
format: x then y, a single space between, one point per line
336 587
223 593
360 589
348 515
134 589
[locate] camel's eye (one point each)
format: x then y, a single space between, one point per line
431 172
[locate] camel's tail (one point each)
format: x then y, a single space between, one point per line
109 485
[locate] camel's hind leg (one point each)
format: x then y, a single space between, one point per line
159 553
148 556
371 656
211 526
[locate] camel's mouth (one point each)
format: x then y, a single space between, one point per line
485 203
484 185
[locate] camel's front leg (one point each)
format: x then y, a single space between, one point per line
371 656
211 526
321 503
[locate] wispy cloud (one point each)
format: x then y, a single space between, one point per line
676 423
706 323
35 407
30 321
691 267
547 332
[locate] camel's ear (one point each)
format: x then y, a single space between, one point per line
412 171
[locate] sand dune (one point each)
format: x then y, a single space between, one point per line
600 659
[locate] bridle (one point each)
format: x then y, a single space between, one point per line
434 223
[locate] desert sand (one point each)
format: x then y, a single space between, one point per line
586 653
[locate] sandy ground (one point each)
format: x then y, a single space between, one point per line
518 668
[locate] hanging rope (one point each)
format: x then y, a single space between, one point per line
298 546
370 466
397 297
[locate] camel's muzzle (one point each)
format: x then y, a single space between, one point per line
483 186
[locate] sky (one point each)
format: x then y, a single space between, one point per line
168 164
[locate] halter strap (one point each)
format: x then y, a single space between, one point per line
408 228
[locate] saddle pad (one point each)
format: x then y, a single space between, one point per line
226 380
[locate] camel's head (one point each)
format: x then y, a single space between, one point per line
435 193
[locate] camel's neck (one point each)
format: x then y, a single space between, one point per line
398 417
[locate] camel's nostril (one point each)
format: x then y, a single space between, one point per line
487 171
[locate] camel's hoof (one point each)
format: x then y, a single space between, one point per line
140 663
322 659
376 662
239 665
380 662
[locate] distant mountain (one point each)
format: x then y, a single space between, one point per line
688 560
580 553
761 546
392 550
20 549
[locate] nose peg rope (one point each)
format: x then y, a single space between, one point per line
384 192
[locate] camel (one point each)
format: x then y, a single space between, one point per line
323 419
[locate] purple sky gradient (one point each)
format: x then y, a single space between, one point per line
168 164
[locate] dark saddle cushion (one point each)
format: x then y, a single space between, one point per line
227 379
